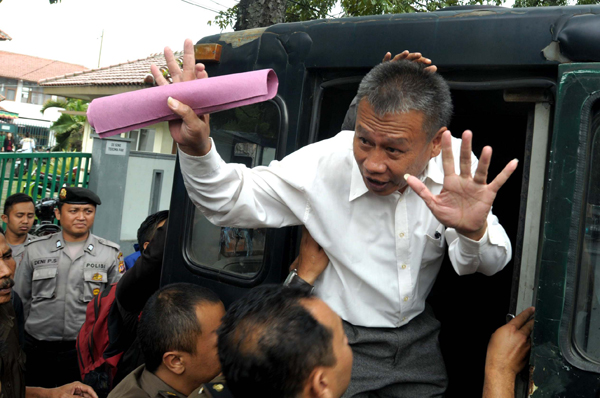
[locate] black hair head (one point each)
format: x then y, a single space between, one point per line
14 199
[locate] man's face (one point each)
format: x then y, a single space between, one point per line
76 220
342 370
204 365
7 270
386 148
20 218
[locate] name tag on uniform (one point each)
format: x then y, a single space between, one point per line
45 261
95 265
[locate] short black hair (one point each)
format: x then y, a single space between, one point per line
269 343
14 199
148 228
169 321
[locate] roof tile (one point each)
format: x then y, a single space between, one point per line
130 73
27 67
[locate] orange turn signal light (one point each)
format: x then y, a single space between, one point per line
209 52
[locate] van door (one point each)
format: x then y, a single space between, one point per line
565 357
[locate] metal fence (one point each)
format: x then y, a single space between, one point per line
42 175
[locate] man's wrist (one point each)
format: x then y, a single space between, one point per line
474 235
294 280
197 151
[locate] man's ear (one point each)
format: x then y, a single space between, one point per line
146 245
5 218
57 213
436 142
172 361
318 384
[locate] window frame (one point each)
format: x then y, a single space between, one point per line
219 275
569 348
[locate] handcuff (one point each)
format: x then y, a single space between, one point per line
293 280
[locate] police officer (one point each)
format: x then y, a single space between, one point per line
19 213
58 276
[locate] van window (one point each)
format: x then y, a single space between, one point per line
586 334
246 135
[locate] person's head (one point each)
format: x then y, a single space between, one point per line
27 134
7 269
282 342
9 135
178 334
19 214
402 112
76 211
148 228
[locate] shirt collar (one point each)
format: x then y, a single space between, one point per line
154 386
357 184
433 171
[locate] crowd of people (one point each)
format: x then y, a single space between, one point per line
350 320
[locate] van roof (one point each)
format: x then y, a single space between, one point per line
453 37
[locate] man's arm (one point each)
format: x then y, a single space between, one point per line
227 194
312 259
66 391
507 355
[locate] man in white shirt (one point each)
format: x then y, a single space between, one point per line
380 201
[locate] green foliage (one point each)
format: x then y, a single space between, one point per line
552 3
225 18
68 129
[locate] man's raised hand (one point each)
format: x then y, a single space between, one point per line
415 57
192 133
465 200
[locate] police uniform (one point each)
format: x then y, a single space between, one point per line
144 384
19 250
55 288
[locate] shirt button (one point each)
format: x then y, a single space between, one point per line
403 266
403 318
401 234
406 298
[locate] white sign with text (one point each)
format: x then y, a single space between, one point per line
116 148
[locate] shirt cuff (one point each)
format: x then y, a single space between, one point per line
201 165
470 246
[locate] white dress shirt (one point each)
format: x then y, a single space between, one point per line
385 251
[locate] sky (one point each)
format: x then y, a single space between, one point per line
70 31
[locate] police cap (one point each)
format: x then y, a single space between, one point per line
78 196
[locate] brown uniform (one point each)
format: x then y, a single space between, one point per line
143 384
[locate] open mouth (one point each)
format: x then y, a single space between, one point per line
376 185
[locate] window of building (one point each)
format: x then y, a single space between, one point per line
586 335
31 93
142 140
246 135
8 88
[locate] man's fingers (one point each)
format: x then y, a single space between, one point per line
447 156
483 166
189 60
465 154
173 66
387 57
504 175
522 318
401 56
431 69
201 71
158 76
527 328
420 189
187 114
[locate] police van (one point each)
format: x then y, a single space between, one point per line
525 81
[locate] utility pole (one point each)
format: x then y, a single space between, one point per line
101 41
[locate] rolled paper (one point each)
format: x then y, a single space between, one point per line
136 109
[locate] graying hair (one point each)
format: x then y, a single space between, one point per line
402 86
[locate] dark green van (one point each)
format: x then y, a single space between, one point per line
526 82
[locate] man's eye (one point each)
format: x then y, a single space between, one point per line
362 140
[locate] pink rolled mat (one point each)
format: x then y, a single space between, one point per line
129 111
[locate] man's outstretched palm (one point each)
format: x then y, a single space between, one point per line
465 200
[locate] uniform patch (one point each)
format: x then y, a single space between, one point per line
95 265
63 194
97 277
121 263
90 247
96 290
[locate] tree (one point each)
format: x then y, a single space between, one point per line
304 10
68 129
